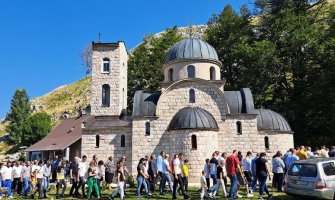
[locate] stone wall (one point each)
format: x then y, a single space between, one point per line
225 140
202 70
116 78
170 102
110 144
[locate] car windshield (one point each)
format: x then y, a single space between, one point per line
304 170
329 168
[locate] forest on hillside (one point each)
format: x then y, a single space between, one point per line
284 50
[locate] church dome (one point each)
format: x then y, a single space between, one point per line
193 118
191 48
270 120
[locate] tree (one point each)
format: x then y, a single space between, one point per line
227 32
86 58
145 71
20 111
37 126
285 55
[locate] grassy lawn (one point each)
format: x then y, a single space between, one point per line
193 192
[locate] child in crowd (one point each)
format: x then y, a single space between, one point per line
203 185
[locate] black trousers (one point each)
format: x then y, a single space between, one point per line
82 185
185 184
278 180
17 184
208 182
176 181
61 184
74 187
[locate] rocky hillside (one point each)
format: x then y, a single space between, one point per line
65 101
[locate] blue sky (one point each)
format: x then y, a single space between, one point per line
40 41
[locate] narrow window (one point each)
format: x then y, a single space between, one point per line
171 74
190 71
147 128
191 96
105 95
212 73
105 65
239 128
123 141
194 142
97 141
266 142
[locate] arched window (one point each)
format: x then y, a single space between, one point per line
147 128
190 71
105 65
212 73
266 143
191 96
97 141
194 142
105 95
123 141
171 74
239 128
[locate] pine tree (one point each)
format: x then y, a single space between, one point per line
20 111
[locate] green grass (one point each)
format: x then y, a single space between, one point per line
193 192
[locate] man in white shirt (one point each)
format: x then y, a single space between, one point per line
82 174
166 171
17 182
7 178
178 177
39 177
46 177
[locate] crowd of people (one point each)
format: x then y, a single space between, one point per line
243 172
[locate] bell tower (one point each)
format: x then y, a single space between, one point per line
109 78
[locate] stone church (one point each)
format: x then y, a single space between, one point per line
192 113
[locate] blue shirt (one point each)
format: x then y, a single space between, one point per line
253 171
278 165
213 163
290 159
207 171
159 163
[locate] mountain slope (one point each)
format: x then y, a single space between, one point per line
65 101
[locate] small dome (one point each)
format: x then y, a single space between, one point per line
191 48
270 120
193 118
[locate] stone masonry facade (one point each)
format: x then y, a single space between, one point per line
209 96
116 78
